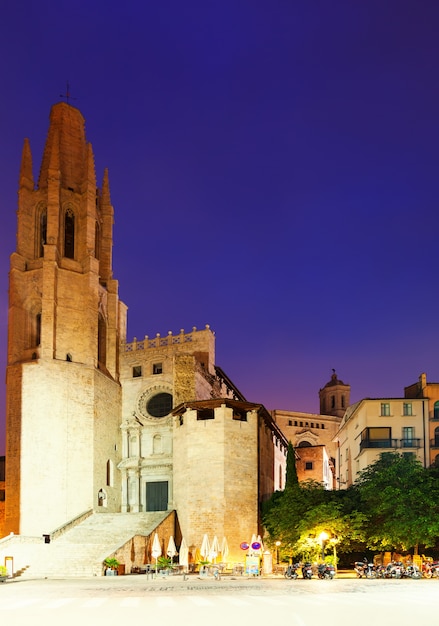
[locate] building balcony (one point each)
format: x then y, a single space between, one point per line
378 443
410 443
391 444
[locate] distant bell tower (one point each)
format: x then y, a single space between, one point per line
64 329
334 397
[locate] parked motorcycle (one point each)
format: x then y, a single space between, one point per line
412 571
307 570
291 571
395 569
325 570
365 569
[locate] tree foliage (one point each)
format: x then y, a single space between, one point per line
400 500
393 506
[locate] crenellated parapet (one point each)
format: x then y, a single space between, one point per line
168 340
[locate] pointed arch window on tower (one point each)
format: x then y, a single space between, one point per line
42 232
97 241
37 330
69 234
102 341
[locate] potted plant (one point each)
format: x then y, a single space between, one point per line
164 564
203 567
3 573
111 564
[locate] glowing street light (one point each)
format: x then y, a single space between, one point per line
277 551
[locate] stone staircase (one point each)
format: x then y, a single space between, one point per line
80 551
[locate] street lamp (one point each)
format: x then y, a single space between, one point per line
323 537
277 551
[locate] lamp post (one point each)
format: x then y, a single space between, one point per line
323 537
277 552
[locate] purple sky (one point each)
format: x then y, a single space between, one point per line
273 169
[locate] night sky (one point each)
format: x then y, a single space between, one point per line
273 169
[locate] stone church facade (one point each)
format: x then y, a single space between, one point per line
98 423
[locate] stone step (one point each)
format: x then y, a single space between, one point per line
81 550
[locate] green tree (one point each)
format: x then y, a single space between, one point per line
291 479
400 500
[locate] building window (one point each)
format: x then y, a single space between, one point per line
43 231
102 341
97 241
157 368
240 416
290 422
137 371
160 405
2 495
323 426
385 409
308 465
407 408
38 329
69 234
332 402
408 434
205 414
342 402
436 410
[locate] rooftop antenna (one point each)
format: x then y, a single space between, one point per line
67 95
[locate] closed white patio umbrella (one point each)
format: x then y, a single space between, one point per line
171 550
156 549
183 556
224 549
205 548
214 549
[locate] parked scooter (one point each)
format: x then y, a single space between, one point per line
395 569
412 571
364 569
325 570
291 571
307 570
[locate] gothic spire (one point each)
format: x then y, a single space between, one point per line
26 176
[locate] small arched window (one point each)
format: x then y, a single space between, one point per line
42 232
97 241
37 329
69 234
102 341
436 410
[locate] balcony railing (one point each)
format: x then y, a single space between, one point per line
410 443
378 443
391 443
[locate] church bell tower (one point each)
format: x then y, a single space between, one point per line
64 330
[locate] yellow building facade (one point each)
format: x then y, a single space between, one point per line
372 426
